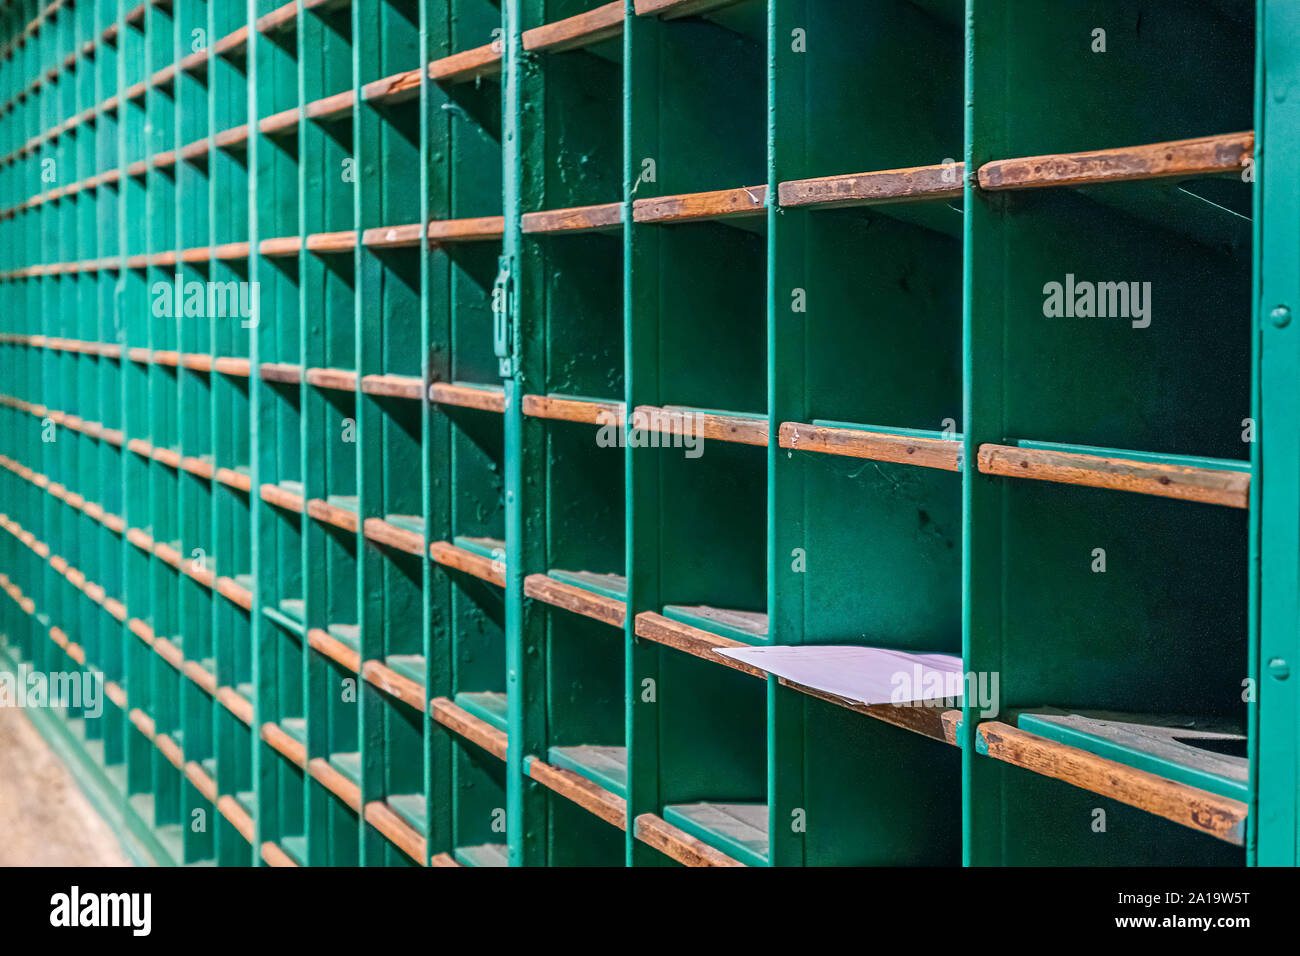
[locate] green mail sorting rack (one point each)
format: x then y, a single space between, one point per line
418 415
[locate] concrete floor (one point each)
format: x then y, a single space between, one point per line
44 818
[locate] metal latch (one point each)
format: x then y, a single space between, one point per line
503 316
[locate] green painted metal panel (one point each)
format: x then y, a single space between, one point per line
355 356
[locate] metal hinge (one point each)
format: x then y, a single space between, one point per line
503 316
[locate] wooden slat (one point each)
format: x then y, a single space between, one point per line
400 539
334 649
231 250
280 372
343 518
332 242
466 65
235 592
335 782
466 396
610 807
275 495
462 722
718 204
141 629
236 703
229 808
1207 485
677 844
232 43
933 722
280 18
280 246
393 237
671 9
199 467
575 599
393 89
448 555
573 409
274 856
673 420
877 446
575 219
169 749
393 386
203 783
394 684
337 378
398 832
235 137
233 366
692 640
274 735
234 479
200 676
1182 158
479 229
944 181
142 722
169 652
332 107
1207 812
197 361
584 29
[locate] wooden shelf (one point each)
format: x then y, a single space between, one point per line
487 398
1184 158
917 183
589 411
1208 813
338 510
480 566
396 685
599 218
672 9
926 451
1164 479
488 854
691 640
1206 754
576 599
469 726
383 818
585 29
736 829
331 644
393 386
604 766
691 207
343 380
328 775
703 424
593 798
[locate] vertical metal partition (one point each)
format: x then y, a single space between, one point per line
406 406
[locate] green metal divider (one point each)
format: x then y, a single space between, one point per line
407 406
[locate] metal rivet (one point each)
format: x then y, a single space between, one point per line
1279 668
1281 316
